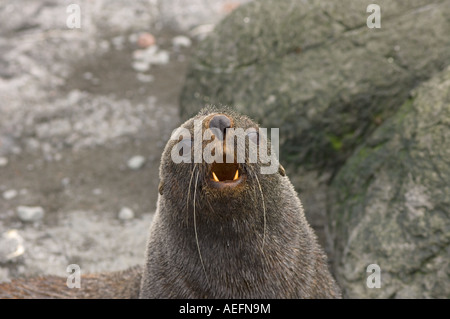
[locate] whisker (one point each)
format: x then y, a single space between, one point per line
195 230
264 211
189 193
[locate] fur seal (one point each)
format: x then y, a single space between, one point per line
224 230
221 230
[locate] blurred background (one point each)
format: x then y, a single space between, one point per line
364 118
84 116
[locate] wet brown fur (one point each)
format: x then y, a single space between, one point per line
222 244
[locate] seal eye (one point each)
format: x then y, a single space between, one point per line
253 136
184 148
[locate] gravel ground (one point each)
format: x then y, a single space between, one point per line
84 116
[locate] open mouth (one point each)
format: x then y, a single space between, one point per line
225 175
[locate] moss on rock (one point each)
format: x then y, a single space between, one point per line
390 203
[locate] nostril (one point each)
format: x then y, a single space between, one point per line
220 122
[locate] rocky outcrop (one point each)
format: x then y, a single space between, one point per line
390 203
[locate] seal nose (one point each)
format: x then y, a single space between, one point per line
220 122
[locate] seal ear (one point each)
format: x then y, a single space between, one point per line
161 187
281 170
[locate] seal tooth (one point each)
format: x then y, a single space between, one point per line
215 177
236 176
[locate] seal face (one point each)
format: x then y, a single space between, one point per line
225 229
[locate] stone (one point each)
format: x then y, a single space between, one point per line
97 191
146 78
11 245
10 194
30 214
126 213
181 41
3 161
389 205
143 59
136 162
118 42
140 66
145 40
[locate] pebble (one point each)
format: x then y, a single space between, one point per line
181 41
118 42
88 75
3 161
145 40
33 144
16 150
133 38
136 162
65 181
10 194
146 78
162 57
152 55
126 213
201 31
141 66
30 214
230 6
141 55
104 45
11 245
4 273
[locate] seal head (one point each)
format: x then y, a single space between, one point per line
229 223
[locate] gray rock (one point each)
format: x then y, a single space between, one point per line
118 42
97 191
316 71
141 66
126 213
11 245
143 59
200 32
30 214
136 162
10 194
390 204
4 274
3 161
146 78
181 41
